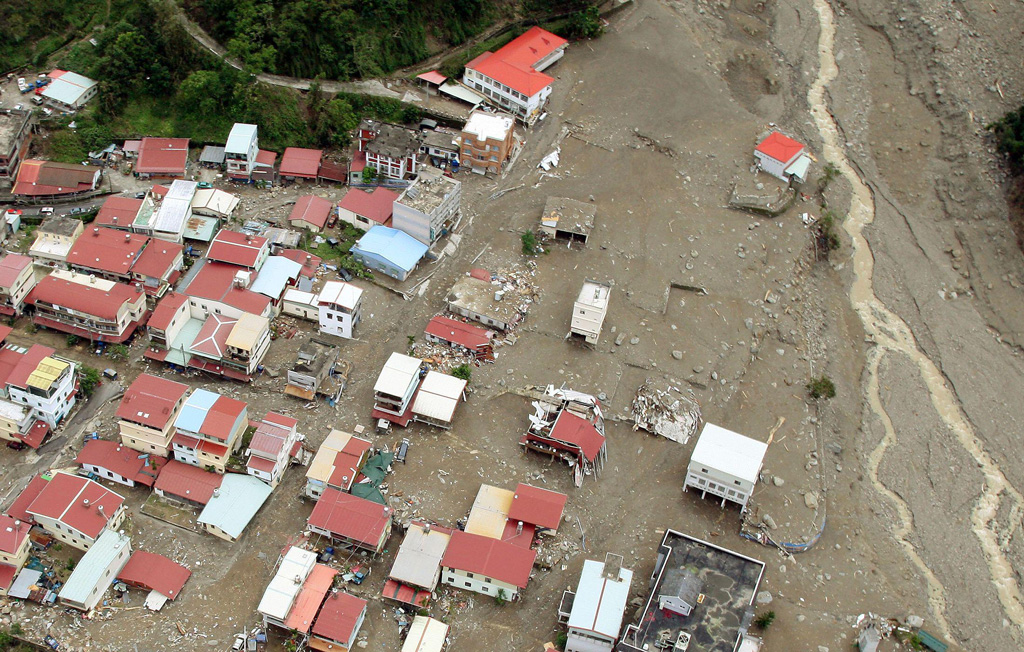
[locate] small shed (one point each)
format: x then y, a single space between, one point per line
426 635
725 464
431 81
212 157
437 398
567 219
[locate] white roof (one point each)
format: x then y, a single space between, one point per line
341 294
729 452
176 205
299 297
89 573
488 125
287 582
439 395
425 635
68 88
240 138
398 373
214 200
798 168
600 603
419 557
12 411
83 279
594 294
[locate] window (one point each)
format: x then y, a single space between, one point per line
736 482
469 584
703 470
469 575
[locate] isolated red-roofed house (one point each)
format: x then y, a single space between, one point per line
782 157
165 158
153 572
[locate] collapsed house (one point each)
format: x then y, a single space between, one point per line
666 411
567 220
317 372
568 425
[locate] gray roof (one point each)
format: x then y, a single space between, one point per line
68 88
440 140
393 141
235 503
60 225
88 573
212 154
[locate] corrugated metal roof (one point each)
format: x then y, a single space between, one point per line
419 557
600 602
398 248
398 373
194 412
490 511
339 293
46 373
274 276
425 635
729 452
280 595
88 574
240 138
68 88
438 397
235 504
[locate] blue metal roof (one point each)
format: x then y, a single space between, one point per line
274 276
88 573
193 413
235 503
397 247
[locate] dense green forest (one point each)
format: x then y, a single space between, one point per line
31 30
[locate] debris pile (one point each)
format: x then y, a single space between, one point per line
667 412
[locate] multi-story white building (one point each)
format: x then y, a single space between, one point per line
594 612
40 382
589 310
392 150
395 387
512 77
16 280
340 306
427 209
241 149
725 464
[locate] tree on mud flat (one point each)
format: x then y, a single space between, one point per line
529 241
501 598
829 173
88 379
585 23
1009 132
462 372
821 387
825 238
765 620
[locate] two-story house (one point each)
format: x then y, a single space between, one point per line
395 387
209 430
37 380
14 548
241 149
74 509
392 150
512 77
271 448
54 239
16 280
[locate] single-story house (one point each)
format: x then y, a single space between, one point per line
351 520
155 573
782 157
300 163
93 574
233 505
389 251
366 208
116 462
311 212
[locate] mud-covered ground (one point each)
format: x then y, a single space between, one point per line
656 121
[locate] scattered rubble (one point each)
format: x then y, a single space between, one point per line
667 412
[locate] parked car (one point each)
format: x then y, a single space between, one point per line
46 210
52 642
76 211
47 111
19 107
403 450
332 220
110 373
204 185
344 274
140 195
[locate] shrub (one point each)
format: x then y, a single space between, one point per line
117 352
828 174
561 640
72 339
369 174
463 372
529 241
765 620
501 598
821 387
585 23
1009 132
826 239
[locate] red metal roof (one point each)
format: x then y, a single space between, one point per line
212 338
346 463
498 560
84 298
36 435
166 309
432 77
4 332
12 533
358 162
307 603
272 433
11 267
187 481
351 517
480 273
312 209
266 157
333 171
779 147
150 401
118 212
338 618
37 177
220 370
299 162
155 572
76 502
376 206
512 65
236 248
216 281
537 506
118 458
310 263
158 259
261 464
18 509
27 363
457 332
576 430
7 573
107 250
160 190
395 590
163 156
522 538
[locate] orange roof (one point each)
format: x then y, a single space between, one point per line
432 77
513 64
312 209
779 147
312 595
164 156
118 212
37 177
